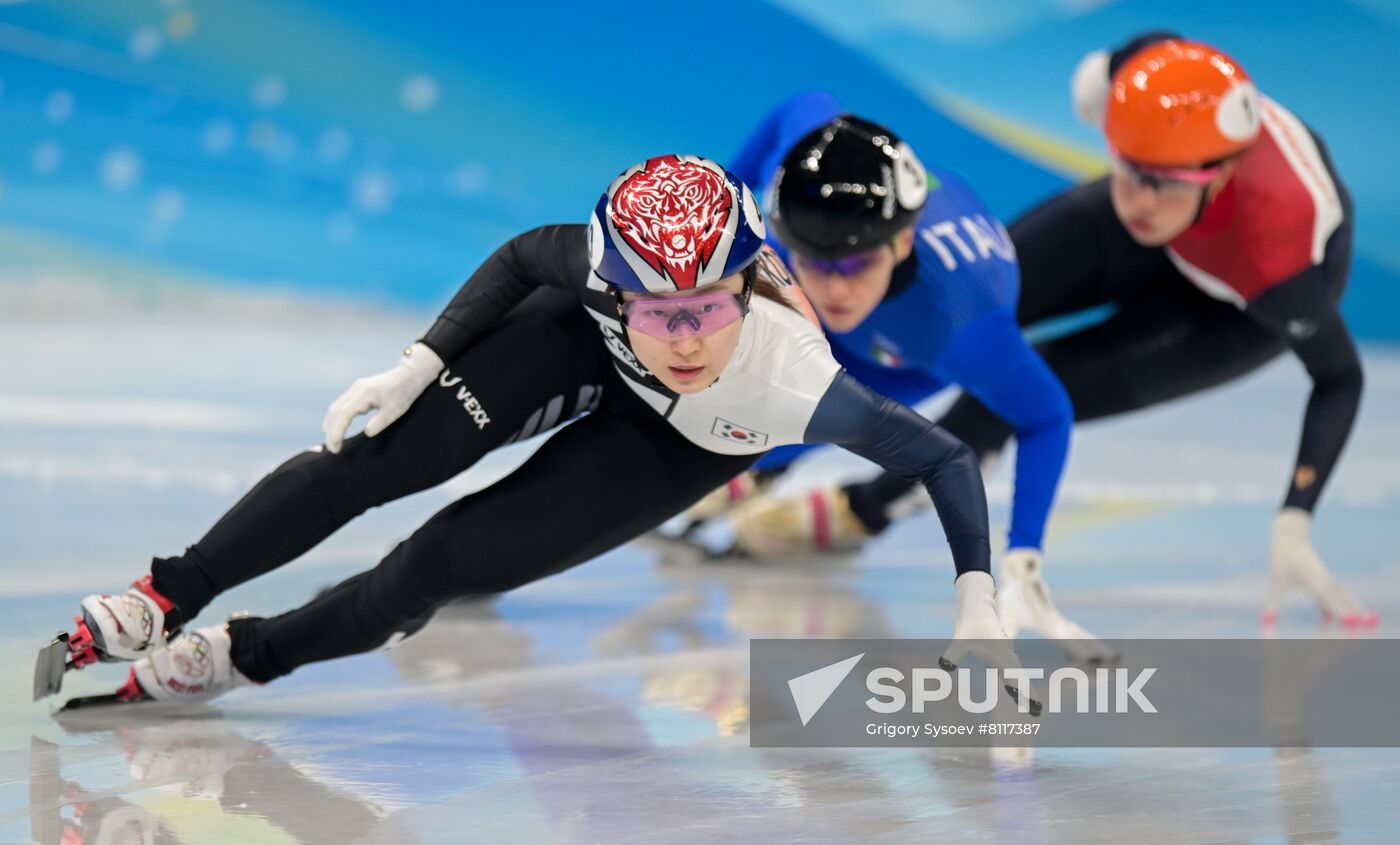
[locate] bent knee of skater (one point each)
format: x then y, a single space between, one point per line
350 482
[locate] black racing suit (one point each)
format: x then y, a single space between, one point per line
522 357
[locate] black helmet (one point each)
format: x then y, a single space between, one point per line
844 188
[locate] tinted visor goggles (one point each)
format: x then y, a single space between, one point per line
684 316
851 265
1163 178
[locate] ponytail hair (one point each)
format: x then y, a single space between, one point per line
770 279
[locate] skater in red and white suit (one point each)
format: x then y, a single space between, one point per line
1223 238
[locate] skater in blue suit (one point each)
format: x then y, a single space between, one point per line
916 285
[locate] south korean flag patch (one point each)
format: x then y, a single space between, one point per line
726 430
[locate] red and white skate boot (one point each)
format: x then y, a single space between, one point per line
195 667
123 626
110 628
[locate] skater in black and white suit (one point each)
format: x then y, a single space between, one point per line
694 378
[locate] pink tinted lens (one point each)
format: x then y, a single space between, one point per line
692 315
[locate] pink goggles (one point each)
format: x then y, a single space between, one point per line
683 316
1153 175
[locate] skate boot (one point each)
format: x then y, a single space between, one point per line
722 500
819 522
683 547
194 668
1025 604
1293 562
110 628
124 626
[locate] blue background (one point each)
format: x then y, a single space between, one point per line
379 151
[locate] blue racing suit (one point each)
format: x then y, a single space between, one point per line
949 318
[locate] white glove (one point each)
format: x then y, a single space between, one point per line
391 392
1088 88
977 631
1024 603
1293 562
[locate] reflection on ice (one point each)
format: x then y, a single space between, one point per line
189 779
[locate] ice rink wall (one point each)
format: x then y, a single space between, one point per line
377 151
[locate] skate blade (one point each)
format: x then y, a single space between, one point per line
90 702
129 693
50 666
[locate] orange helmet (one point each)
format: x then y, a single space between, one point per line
1180 104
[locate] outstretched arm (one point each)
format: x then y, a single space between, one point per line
991 360
855 417
1303 312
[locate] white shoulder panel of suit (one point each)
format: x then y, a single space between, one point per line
765 397
1298 147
